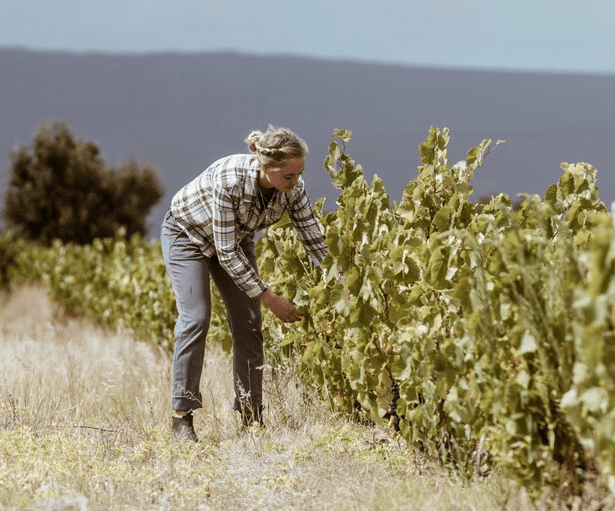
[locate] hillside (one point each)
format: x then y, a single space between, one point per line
182 111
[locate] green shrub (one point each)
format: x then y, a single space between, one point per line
60 188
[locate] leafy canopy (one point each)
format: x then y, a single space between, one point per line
61 188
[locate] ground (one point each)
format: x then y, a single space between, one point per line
85 425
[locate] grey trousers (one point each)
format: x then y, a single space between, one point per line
189 271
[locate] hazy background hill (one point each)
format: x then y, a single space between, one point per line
183 111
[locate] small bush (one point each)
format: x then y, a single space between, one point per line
60 188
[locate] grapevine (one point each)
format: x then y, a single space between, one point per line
483 335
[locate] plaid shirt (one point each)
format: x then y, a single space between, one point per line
221 207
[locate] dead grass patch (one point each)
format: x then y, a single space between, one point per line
84 424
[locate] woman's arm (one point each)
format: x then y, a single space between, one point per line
230 255
307 227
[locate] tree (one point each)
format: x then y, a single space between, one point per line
61 188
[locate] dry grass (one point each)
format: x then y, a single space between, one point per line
84 424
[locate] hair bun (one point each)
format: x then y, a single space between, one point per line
276 145
253 140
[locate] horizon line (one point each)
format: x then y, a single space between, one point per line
306 56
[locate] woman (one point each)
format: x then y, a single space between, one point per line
209 230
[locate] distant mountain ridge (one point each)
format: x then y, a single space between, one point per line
183 111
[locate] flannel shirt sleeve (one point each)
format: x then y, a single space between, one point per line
307 227
230 254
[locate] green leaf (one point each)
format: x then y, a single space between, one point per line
340 300
438 266
427 149
343 134
593 398
528 343
551 195
442 219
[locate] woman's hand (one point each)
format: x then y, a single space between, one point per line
281 307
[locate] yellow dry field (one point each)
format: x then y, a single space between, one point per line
85 420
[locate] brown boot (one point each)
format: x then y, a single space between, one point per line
250 417
183 428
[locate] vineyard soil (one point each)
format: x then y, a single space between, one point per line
84 425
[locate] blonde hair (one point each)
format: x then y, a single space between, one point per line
276 145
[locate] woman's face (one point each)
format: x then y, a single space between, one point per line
285 177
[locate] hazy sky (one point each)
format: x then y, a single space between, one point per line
551 35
